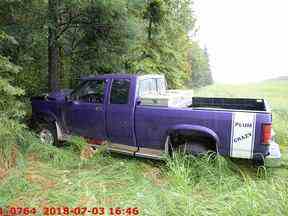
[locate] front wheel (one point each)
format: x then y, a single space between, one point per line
47 133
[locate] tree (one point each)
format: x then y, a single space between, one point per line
201 73
77 38
53 49
165 50
10 107
154 13
29 28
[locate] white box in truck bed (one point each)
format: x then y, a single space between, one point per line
171 98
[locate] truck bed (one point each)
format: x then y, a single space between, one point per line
229 103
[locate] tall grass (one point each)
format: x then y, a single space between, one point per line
181 185
218 187
10 152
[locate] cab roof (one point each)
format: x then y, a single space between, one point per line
123 76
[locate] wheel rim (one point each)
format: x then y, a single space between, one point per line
46 137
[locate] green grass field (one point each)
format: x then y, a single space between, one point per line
51 177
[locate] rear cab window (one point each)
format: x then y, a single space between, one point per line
151 86
147 86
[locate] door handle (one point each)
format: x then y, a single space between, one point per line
73 102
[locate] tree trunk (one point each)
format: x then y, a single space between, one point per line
150 29
53 50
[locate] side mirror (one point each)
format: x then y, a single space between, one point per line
138 101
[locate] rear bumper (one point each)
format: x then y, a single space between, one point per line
274 151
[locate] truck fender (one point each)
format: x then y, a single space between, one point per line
186 129
46 116
50 117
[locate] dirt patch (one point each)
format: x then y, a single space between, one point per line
9 160
83 201
87 153
154 174
108 201
17 203
90 201
33 157
45 183
3 173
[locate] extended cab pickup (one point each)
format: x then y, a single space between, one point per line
113 108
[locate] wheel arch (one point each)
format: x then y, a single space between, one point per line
49 117
187 130
44 116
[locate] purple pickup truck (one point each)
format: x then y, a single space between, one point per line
113 109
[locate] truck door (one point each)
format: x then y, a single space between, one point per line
120 112
84 112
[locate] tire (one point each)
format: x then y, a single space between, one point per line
47 133
258 160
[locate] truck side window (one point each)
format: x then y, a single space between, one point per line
91 91
120 91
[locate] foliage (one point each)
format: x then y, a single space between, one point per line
11 110
154 13
165 50
97 46
95 37
77 144
25 22
201 73
9 106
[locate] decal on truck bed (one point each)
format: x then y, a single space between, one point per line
242 134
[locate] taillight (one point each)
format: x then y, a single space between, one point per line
266 133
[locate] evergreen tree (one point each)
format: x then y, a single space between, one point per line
199 60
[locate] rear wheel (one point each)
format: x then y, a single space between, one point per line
197 149
192 143
194 148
